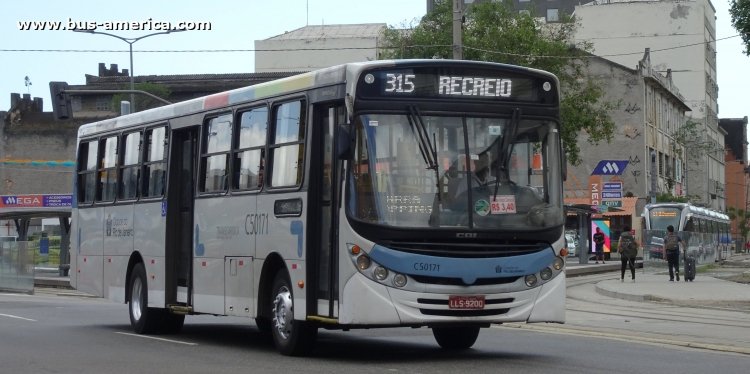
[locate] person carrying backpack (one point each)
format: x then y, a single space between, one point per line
672 252
627 247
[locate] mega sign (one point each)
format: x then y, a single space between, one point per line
36 201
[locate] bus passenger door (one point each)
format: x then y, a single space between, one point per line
322 215
180 198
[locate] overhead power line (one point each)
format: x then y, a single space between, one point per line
344 49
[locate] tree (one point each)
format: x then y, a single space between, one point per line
740 12
496 32
741 218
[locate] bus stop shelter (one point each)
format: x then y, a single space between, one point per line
21 209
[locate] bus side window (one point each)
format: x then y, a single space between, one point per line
248 159
108 169
128 188
87 161
154 165
287 148
217 142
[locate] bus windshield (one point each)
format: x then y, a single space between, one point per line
485 173
660 218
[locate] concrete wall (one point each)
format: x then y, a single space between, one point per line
33 151
311 54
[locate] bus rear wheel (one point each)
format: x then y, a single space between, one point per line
291 337
144 320
456 338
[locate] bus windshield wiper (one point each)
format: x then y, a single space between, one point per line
429 154
504 148
426 148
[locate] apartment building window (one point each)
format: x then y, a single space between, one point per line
661 164
553 15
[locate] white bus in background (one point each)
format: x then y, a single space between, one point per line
420 193
706 232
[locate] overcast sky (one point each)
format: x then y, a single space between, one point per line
234 25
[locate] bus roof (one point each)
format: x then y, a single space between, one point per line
319 78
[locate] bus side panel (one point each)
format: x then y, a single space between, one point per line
118 244
285 234
89 259
223 236
149 230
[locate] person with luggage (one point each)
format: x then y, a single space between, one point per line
628 249
599 245
672 252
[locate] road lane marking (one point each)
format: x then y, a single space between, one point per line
155 338
17 317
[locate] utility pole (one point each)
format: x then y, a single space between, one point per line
458 16
652 193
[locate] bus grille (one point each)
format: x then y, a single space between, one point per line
459 282
465 250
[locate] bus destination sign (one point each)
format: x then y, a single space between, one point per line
458 83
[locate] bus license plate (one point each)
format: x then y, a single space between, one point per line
465 302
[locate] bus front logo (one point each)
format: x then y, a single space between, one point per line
466 235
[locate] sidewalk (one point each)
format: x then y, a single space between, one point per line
653 285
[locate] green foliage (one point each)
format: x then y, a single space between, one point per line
496 32
740 13
741 218
669 198
142 102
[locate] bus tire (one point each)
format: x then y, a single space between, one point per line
291 337
263 324
144 320
171 323
456 337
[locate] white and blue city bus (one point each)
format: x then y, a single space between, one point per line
420 193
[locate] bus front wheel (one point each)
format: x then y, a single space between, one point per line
456 338
291 337
143 319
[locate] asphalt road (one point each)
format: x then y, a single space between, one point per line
71 334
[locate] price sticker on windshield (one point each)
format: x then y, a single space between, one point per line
503 204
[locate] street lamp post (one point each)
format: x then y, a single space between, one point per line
130 42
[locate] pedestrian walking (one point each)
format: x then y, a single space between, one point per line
599 245
672 252
627 247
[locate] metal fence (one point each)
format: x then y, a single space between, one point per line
17 262
704 248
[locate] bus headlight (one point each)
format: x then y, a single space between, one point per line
381 273
558 263
546 274
363 262
399 280
531 280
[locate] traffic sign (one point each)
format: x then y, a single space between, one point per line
612 203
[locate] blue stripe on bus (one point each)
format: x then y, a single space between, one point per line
468 269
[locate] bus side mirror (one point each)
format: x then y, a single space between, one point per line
344 142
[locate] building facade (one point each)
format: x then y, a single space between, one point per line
737 172
650 107
682 37
319 46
